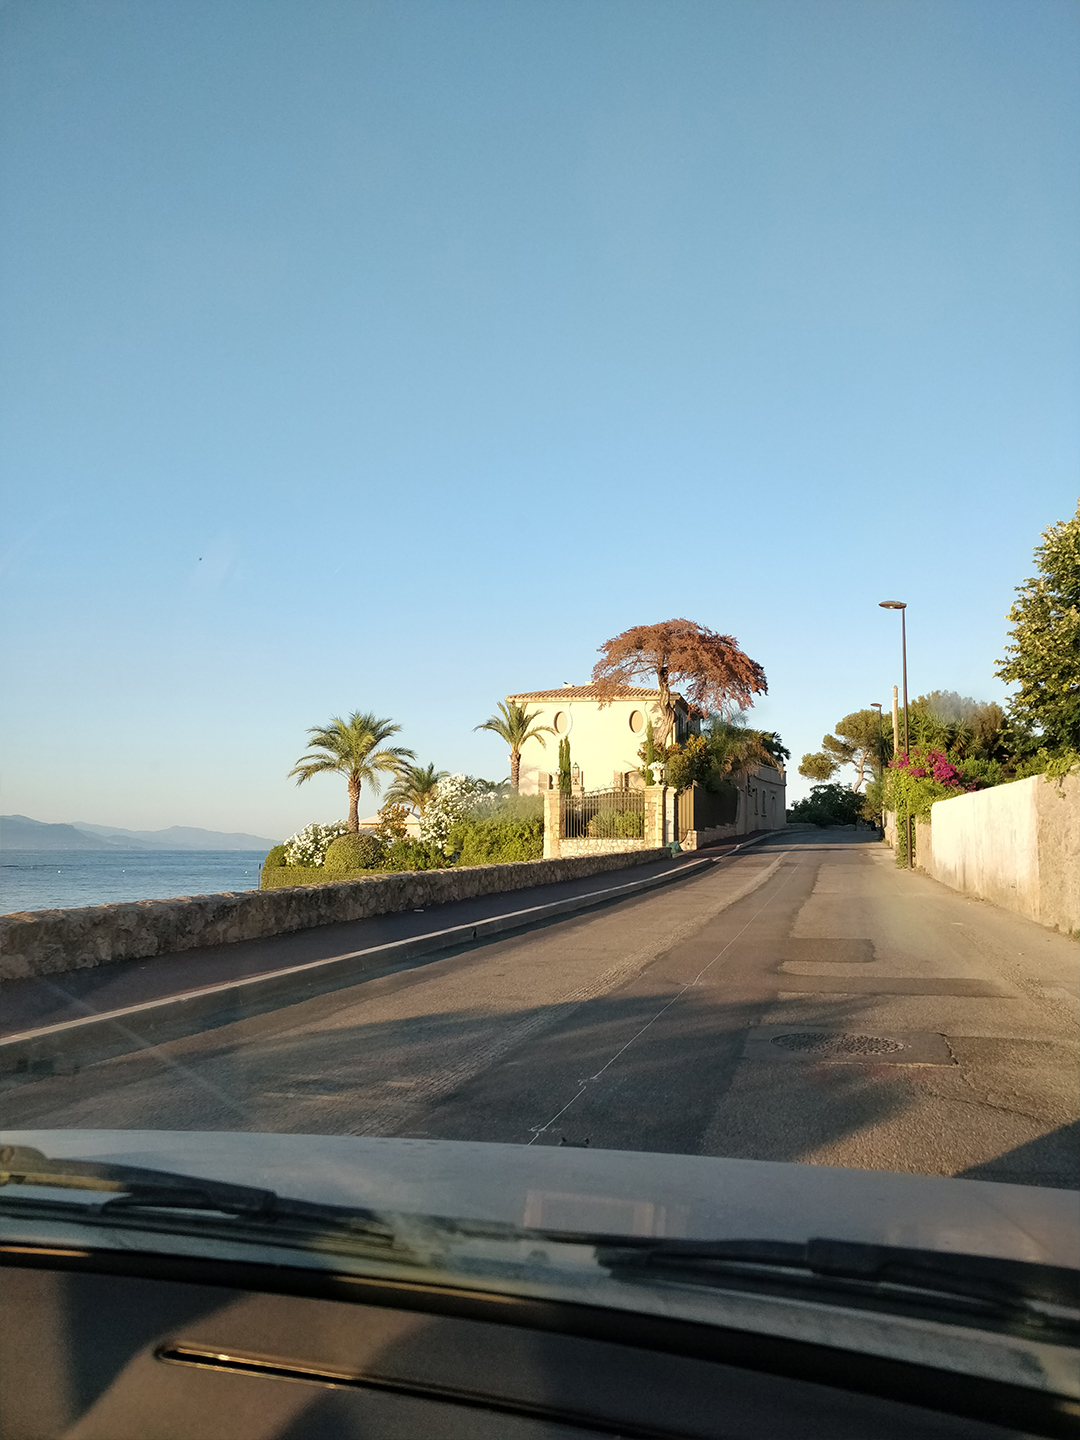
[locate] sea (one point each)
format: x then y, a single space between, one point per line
57 879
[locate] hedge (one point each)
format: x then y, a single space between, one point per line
397 857
274 876
497 842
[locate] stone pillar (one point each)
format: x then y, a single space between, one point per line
656 808
552 825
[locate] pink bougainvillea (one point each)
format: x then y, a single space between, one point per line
932 764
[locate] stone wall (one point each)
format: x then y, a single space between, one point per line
46 942
1017 845
584 846
659 828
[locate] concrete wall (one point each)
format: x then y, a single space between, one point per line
762 801
46 942
1016 845
762 805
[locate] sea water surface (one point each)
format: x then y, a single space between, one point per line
56 879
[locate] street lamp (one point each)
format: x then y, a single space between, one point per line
876 705
901 605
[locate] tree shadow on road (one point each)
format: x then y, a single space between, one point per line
462 1074
663 1072
1052 1160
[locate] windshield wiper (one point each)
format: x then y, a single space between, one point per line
133 1188
1008 1286
984 1285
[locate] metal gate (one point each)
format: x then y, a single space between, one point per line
702 809
603 815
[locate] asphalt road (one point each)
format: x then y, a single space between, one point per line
803 1001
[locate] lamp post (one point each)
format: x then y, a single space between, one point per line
876 705
901 605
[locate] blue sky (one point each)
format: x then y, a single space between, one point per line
392 356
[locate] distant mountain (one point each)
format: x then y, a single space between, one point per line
176 837
19 832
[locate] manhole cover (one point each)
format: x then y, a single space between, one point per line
837 1043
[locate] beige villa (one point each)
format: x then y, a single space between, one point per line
604 745
604 742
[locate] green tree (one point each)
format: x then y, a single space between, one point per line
736 747
566 783
860 741
649 753
775 747
690 763
514 723
350 748
829 805
414 787
1043 654
966 728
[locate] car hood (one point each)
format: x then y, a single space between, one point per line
613 1192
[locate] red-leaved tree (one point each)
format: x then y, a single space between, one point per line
712 673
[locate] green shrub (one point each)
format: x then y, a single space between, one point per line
518 807
275 859
353 852
497 842
616 825
279 875
413 855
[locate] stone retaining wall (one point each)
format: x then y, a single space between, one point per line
47 942
572 849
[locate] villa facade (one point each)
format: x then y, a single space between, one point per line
604 738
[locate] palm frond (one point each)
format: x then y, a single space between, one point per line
415 786
309 765
514 724
349 747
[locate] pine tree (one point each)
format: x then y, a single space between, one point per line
1043 653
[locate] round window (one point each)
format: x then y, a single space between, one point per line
637 721
562 722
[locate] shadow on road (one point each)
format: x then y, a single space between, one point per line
1053 1159
466 1076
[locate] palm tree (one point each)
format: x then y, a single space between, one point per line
515 725
350 748
415 786
736 748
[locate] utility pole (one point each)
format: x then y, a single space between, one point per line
895 722
901 605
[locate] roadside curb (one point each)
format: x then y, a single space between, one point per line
113 1032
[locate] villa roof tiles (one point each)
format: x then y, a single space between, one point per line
587 692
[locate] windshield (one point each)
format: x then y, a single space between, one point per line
467 470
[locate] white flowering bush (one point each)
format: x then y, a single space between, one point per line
309 846
456 798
